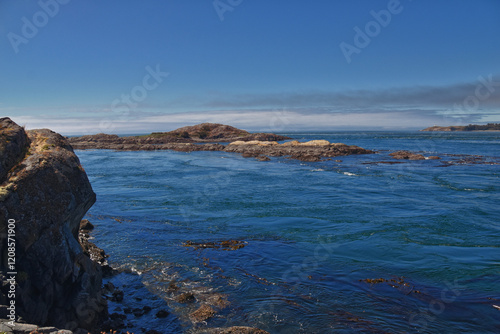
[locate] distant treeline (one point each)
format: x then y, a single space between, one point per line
475 127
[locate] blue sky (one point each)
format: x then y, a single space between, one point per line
81 67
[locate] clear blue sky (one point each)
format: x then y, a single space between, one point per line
85 66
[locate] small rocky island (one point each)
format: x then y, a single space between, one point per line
219 137
470 127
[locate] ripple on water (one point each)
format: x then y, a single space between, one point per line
311 233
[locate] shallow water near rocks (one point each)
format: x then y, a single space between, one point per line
326 247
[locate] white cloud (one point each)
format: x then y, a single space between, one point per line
253 120
401 108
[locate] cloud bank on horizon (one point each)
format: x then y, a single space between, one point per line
260 66
402 108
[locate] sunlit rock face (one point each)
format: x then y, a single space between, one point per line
45 190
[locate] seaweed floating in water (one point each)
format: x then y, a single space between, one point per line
227 245
398 283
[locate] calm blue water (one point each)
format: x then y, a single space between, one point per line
313 233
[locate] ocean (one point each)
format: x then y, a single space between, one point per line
350 245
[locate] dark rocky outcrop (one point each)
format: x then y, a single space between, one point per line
95 253
313 150
45 190
201 133
208 131
187 139
406 155
444 128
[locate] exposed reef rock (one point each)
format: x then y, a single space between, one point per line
313 150
45 191
207 131
203 313
201 133
192 138
236 330
407 155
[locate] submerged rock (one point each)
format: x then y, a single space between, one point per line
222 245
217 300
236 330
406 155
186 297
262 157
162 314
152 331
203 313
45 193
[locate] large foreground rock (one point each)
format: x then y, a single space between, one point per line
44 189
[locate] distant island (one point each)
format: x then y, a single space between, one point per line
470 127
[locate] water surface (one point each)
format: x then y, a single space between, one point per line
329 247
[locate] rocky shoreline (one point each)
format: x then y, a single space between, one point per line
59 282
54 284
196 134
59 273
